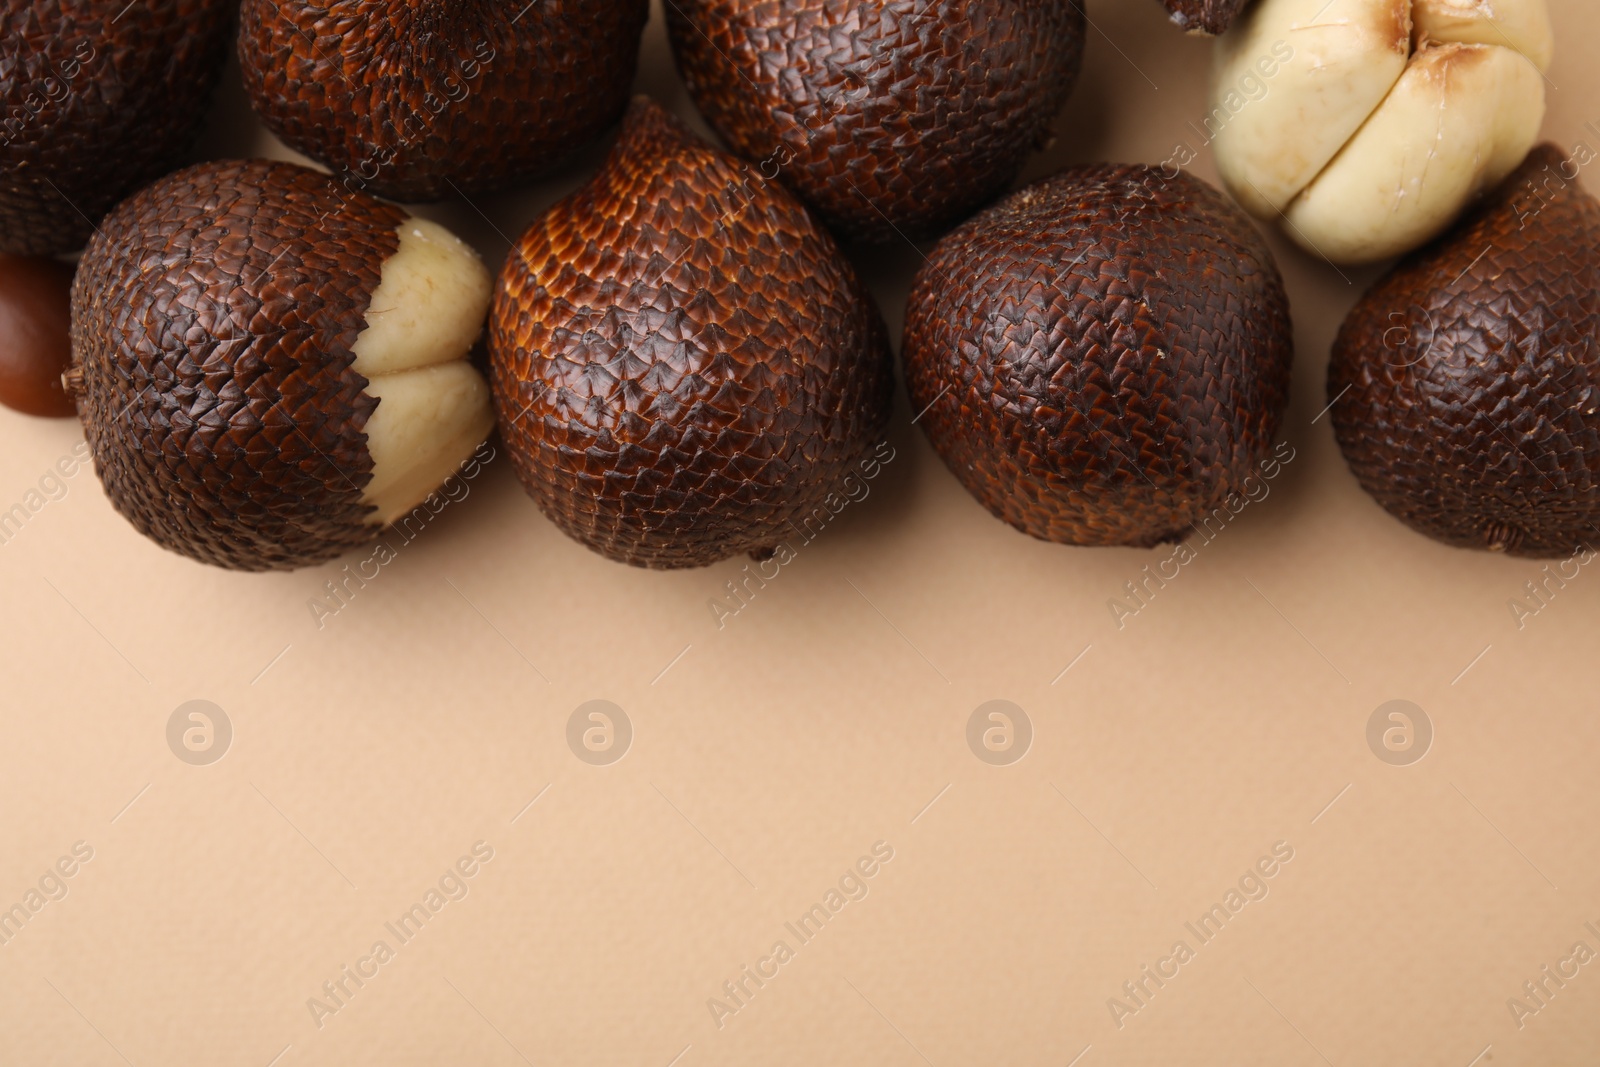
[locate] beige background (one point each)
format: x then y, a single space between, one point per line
830 714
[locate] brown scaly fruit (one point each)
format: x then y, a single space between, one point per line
1466 382
414 99
35 335
892 118
1205 16
270 368
1102 358
684 365
97 97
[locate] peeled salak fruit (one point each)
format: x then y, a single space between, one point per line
414 99
1103 357
97 97
1466 383
683 363
1366 126
269 368
891 118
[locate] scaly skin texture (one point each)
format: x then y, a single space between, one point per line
1466 383
1103 357
409 98
1205 16
97 97
683 363
212 324
891 118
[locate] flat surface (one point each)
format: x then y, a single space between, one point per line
767 756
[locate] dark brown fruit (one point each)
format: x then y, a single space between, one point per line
1466 383
683 362
97 97
892 118
1103 357
1205 16
226 424
414 99
35 335
220 348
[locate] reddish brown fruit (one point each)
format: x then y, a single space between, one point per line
684 365
97 97
416 99
1103 357
1205 16
1466 383
892 118
35 335
265 373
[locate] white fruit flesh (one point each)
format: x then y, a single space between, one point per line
1346 56
1460 119
1386 120
1520 25
433 408
428 421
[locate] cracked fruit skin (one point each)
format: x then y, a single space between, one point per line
1466 383
1209 17
97 97
891 118
684 365
270 368
1103 357
416 99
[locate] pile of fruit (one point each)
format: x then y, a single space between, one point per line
272 363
